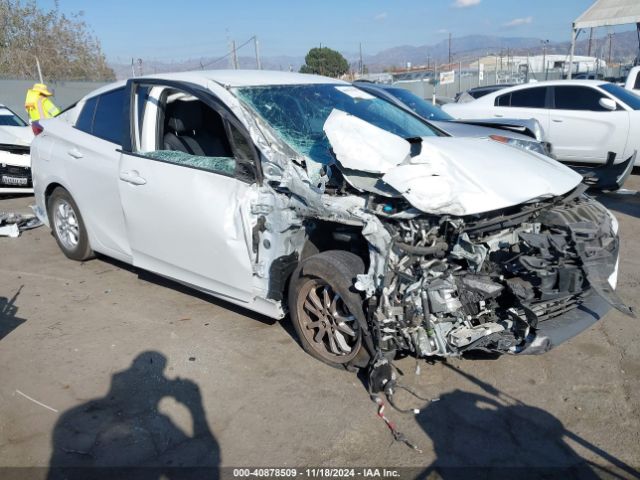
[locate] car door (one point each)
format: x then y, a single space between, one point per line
581 130
90 149
524 103
187 212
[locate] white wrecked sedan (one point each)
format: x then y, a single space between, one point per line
284 192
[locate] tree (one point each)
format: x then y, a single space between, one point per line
324 61
63 44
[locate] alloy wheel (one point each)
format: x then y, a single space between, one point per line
327 324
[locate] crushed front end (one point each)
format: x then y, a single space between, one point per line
520 280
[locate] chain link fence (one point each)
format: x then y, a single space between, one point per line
424 87
13 92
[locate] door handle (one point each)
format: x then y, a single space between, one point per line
132 177
557 120
75 153
499 116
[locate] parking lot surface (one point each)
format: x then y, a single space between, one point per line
98 359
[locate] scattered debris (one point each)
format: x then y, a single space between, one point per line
11 224
383 379
36 401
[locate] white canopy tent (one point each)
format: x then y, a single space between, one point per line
605 13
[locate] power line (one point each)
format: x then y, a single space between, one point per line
232 52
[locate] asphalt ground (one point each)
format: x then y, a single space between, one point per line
102 364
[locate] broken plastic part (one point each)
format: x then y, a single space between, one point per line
11 224
359 145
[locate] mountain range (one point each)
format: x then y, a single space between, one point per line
624 47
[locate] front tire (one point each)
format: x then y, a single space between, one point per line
326 310
67 226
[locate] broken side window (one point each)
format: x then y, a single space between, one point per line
175 127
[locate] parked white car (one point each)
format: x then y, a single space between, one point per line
15 161
584 120
284 192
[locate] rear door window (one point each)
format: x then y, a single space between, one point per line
503 100
525 98
103 115
108 120
578 98
85 119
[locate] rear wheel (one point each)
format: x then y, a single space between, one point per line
67 226
326 311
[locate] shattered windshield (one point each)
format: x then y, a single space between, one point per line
298 113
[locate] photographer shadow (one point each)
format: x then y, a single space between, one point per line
494 435
125 435
8 310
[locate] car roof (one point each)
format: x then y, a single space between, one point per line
246 78
491 87
231 78
555 83
546 83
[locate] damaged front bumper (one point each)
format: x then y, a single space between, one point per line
516 282
553 332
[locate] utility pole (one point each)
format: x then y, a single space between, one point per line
590 42
234 55
544 59
435 81
39 70
360 65
257 48
610 48
449 49
133 68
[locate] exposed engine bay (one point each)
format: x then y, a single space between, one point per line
460 284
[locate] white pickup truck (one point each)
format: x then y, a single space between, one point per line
633 80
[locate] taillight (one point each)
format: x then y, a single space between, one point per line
37 128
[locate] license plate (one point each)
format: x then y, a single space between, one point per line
14 181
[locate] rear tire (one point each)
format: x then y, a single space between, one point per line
67 226
326 310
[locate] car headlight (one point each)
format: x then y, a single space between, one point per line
531 145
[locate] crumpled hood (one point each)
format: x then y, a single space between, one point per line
457 176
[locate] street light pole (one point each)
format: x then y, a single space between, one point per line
544 59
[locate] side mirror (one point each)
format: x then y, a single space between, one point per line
608 104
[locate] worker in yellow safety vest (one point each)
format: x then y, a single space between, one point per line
38 103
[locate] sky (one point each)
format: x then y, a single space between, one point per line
178 30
